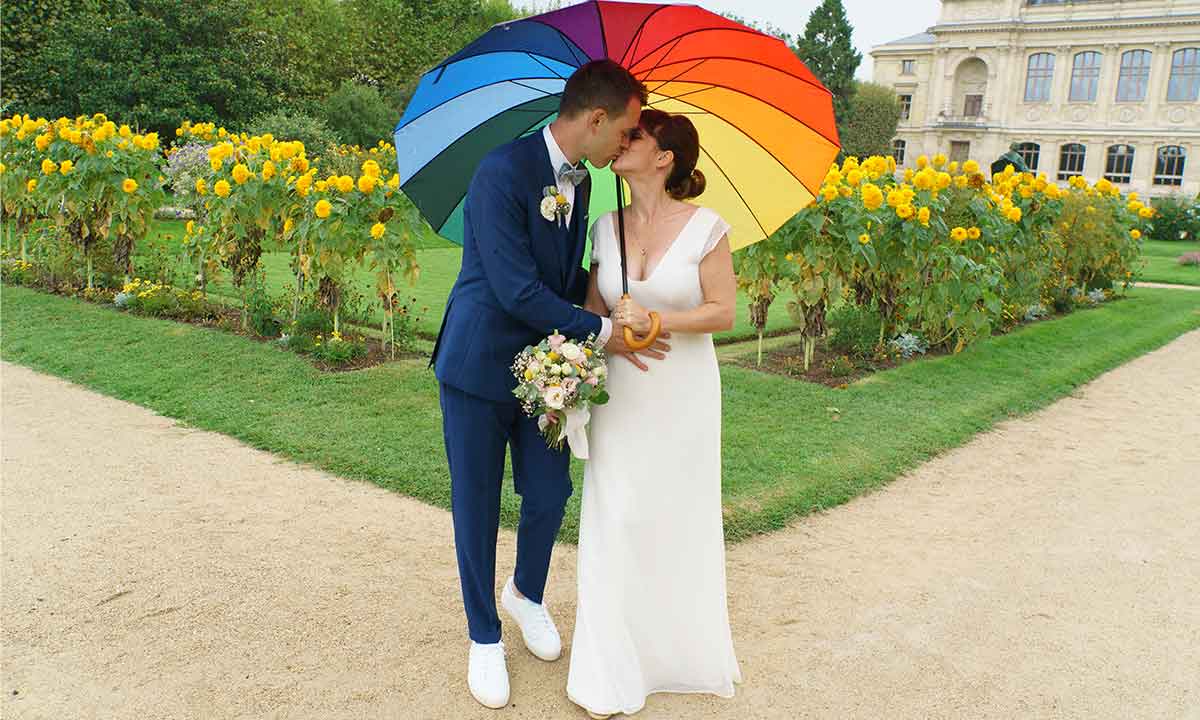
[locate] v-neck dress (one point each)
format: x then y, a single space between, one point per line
652 614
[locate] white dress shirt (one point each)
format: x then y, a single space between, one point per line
557 160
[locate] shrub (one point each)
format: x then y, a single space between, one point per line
1176 218
358 114
853 330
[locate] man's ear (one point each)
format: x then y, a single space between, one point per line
596 117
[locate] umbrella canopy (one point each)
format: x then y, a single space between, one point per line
766 123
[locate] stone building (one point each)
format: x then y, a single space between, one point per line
1093 87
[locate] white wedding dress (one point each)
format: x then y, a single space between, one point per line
652 615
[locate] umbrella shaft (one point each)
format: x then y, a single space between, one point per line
621 234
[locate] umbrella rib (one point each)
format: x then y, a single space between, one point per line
656 65
754 32
539 62
476 89
750 61
735 189
600 22
567 42
744 94
748 136
637 36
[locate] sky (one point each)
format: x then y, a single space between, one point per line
874 21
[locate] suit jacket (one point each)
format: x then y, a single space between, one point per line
522 275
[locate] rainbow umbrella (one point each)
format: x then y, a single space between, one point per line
766 122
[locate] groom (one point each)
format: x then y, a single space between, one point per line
521 280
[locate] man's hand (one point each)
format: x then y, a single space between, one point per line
616 346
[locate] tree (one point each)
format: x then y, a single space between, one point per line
827 50
871 121
154 63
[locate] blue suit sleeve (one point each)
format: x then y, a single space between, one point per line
498 225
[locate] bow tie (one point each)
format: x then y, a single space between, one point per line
573 175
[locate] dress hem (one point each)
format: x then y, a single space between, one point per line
723 694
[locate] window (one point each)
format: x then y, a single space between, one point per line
1039 77
1168 169
905 106
1030 153
898 148
973 106
908 67
960 151
1085 77
1070 160
1118 166
1134 77
1185 76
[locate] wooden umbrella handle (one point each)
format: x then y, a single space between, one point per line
632 341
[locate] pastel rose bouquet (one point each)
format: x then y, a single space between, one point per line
558 380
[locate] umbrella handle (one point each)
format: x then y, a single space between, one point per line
631 340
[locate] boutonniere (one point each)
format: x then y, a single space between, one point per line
555 205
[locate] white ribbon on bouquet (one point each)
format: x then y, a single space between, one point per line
574 430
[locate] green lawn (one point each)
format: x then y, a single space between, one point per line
1162 264
440 261
785 454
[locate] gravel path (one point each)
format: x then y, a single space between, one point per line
1047 569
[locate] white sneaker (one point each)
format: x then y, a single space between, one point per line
537 628
487 674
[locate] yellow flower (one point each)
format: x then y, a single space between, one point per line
370 168
323 208
829 192
943 180
1146 213
1014 214
49 167
958 234
905 211
1135 234
241 173
953 167
872 196
864 239
923 216
345 183
304 184
66 167
322 186
3 167
201 187
922 161
222 188
288 225
973 233
394 182
854 177
908 175
378 229
42 142
130 185
970 167
31 185
939 160
833 177
366 184
845 190
190 227
268 170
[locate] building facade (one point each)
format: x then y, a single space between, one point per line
1093 87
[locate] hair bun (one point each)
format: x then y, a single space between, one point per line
696 183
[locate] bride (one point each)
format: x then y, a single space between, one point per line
652 615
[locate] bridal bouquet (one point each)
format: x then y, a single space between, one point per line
559 380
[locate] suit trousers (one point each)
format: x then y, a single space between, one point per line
477 432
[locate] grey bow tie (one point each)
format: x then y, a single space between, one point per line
573 175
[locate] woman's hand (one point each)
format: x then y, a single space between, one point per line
629 313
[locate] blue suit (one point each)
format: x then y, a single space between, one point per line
521 279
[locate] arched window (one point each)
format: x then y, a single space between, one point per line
898 148
1070 160
1168 168
1029 152
1134 77
1085 76
1185 76
1039 77
1118 165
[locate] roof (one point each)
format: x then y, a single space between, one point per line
923 38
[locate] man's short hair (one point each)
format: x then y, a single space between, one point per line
600 84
